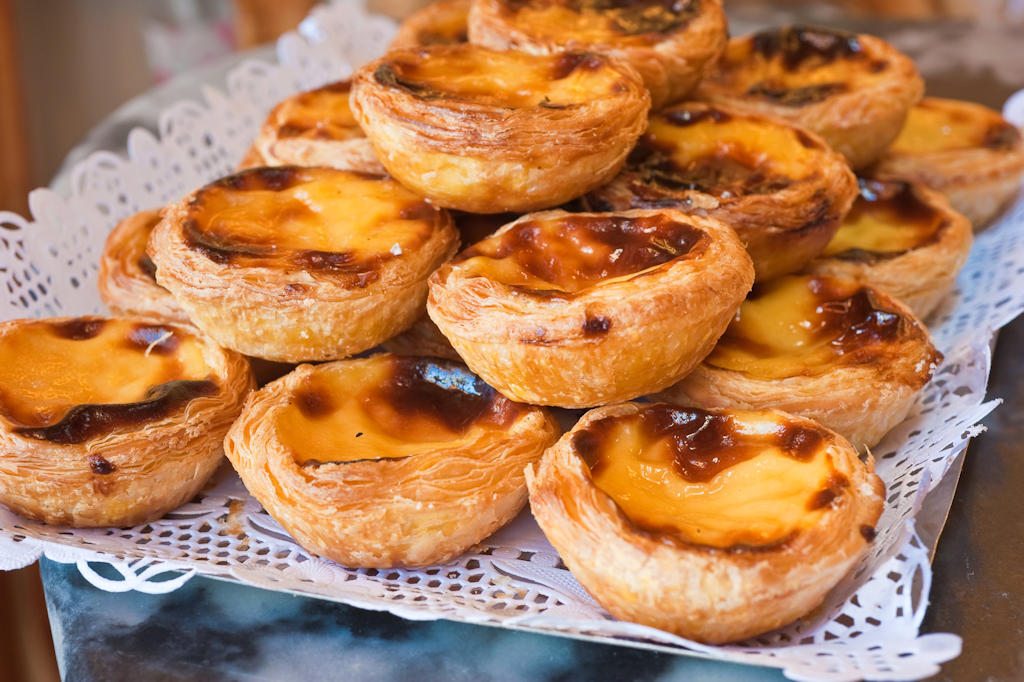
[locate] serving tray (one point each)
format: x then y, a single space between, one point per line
868 625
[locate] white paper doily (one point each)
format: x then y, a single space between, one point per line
867 628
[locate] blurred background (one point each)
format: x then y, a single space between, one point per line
67 64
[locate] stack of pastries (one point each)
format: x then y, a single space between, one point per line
538 204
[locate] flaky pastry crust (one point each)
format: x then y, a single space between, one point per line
861 392
586 335
966 151
668 43
781 188
923 274
708 594
443 22
91 463
127 277
853 90
421 509
488 132
316 128
271 288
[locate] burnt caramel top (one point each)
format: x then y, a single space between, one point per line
935 124
888 218
795 66
75 380
602 21
803 326
390 407
320 114
572 252
737 481
509 80
698 148
342 223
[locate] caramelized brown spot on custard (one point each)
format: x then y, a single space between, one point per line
1002 136
572 252
387 75
727 173
568 62
151 338
627 17
99 465
444 392
86 422
856 320
868 533
78 329
689 475
834 487
798 96
801 46
682 117
313 402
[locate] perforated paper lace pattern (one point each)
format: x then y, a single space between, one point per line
868 626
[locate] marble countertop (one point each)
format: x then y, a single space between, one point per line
216 630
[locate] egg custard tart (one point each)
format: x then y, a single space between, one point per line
713 525
127 278
844 354
295 264
316 128
487 132
111 421
583 309
440 23
852 89
967 151
388 460
901 237
781 188
668 42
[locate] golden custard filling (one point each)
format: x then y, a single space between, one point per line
570 253
511 79
796 66
935 125
720 153
390 407
728 480
342 222
321 114
887 219
611 22
51 371
803 325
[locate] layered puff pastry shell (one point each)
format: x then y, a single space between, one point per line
853 90
846 355
111 421
297 264
582 309
444 22
901 237
315 128
668 42
487 132
781 188
713 525
388 460
966 151
127 277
